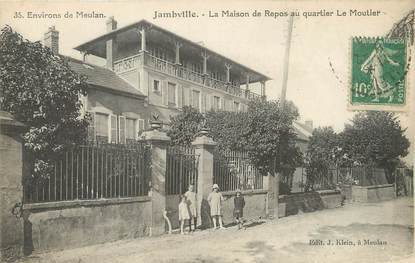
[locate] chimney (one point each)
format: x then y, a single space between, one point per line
111 24
51 40
111 47
309 124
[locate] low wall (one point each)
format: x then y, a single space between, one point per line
70 224
373 193
255 205
308 202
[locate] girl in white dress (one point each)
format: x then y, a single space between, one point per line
183 213
215 200
191 202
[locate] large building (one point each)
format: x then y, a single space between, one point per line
150 70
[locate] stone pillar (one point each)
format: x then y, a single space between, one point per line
204 147
11 188
159 142
247 82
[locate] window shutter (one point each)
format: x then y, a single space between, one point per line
179 96
222 100
203 106
165 93
141 125
190 97
91 128
121 129
208 102
113 129
185 101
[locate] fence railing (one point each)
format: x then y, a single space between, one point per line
233 170
93 172
182 169
333 177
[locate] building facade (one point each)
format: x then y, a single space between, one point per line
156 72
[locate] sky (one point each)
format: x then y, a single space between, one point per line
258 42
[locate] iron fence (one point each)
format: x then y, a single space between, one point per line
182 169
233 170
93 172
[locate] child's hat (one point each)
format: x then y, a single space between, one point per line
238 191
215 186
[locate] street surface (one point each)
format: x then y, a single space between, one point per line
324 236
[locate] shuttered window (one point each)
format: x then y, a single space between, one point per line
196 99
172 94
131 128
113 136
91 127
121 129
216 102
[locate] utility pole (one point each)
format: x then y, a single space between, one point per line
286 61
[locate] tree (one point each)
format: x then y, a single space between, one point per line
40 90
185 126
323 152
265 131
375 138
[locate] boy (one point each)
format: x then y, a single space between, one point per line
238 211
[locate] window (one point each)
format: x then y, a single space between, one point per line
196 99
216 103
156 86
236 106
131 129
172 94
101 124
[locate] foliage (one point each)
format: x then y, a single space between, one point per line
40 90
375 138
265 131
184 127
322 154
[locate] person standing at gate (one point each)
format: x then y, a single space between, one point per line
238 210
215 200
183 213
191 203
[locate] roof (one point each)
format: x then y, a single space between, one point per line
103 77
303 132
87 46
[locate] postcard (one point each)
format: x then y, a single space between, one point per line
207 131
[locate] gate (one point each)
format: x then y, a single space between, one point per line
181 171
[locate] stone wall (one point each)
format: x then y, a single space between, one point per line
255 205
308 202
373 193
63 225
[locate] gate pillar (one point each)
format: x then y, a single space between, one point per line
159 142
11 188
204 147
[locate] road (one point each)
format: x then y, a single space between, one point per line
325 236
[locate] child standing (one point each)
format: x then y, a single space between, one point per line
191 203
215 200
183 213
238 211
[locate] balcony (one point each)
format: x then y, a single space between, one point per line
157 64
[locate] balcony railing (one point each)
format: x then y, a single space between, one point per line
131 63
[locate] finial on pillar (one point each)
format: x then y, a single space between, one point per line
155 123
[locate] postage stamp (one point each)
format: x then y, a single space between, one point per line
378 73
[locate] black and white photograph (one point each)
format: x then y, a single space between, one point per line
207 131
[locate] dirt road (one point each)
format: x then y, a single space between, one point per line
381 232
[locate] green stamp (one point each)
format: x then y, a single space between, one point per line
378 72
